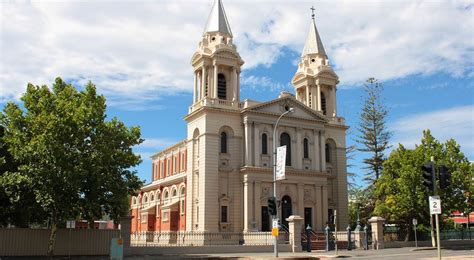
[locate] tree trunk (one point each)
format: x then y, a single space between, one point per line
52 237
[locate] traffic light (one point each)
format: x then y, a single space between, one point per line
427 170
444 177
272 207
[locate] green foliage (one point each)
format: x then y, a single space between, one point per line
400 190
374 137
75 163
361 205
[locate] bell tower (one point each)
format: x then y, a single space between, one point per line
315 81
216 63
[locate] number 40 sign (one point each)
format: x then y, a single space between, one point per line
435 205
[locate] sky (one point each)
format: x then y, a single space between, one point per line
138 55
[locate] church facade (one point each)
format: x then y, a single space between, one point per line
220 177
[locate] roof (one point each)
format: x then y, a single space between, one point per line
313 44
217 21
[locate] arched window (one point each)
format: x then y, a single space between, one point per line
166 194
221 86
223 142
323 103
152 197
174 192
286 140
305 148
264 144
328 153
183 191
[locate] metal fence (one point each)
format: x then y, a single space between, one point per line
201 238
34 242
401 234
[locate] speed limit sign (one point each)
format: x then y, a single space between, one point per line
435 205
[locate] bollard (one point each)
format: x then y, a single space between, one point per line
349 242
327 237
366 238
308 239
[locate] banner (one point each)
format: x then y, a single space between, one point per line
281 163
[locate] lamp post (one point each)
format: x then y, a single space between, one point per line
275 218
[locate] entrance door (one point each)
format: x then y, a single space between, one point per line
265 219
286 210
308 216
174 221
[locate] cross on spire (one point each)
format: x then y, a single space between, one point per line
312 12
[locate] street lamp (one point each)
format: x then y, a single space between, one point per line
275 218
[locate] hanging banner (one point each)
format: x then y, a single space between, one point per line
281 163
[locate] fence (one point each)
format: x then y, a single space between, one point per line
34 242
401 234
200 238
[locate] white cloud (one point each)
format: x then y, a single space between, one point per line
456 123
157 143
140 51
263 83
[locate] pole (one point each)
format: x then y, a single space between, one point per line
416 241
275 242
335 229
437 236
433 180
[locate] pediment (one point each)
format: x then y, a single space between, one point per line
277 107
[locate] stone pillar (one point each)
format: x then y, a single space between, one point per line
256 224
334 103
238 86
316 154
377 232
234 84
248 143
248 202
214 85
322 143
325 204
125 225
294 226
319 97
257 144
319 209
195 92
299 149
300 205
203 82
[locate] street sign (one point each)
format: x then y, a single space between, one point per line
275 223
415 222
435 205
70 224
275 232
281 163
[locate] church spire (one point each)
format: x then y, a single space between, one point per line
313 44
217 21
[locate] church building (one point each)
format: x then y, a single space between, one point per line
220 176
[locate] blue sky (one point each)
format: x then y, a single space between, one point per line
138 54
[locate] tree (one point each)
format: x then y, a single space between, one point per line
374 136
400 190
75 162
361 204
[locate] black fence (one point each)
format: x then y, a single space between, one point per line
392 233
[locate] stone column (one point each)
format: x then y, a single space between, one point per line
234 84
334 103
125 225
319 208
247 143
257 207
248 202
294 226
214 85
257 144
299 149
300 191
316 154
195 92
319 97
203 82
238 86
325 204
322 143
377 232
